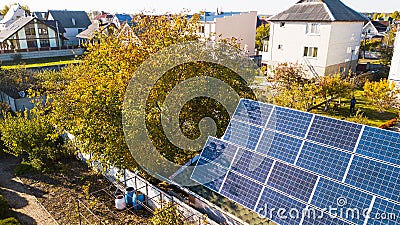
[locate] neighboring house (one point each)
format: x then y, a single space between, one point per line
394 73
322 35
225 25
376 29
74 23
13 14
31 34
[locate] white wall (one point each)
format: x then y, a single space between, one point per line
345 37
71 35
22 42
52 37
293 38
394 73
241 26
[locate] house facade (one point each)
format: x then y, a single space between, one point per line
321 35
74 23
394 73
225 25
30 34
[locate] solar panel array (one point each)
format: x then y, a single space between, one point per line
272 157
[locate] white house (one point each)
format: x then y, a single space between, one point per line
322 35
376 29
74 23
13 14
225 25
394 73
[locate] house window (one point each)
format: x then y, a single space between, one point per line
280 47
32 44
44 43
282 24
311 52
30 31
265 46
313 28
201 29
42 31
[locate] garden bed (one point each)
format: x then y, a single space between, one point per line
66 192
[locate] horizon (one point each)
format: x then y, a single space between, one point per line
263 7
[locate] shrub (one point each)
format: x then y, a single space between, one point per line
5 211
24 168
9 221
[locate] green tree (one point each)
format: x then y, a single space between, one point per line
262 33
168 215
31 134
383 94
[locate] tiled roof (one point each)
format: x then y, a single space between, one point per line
319 10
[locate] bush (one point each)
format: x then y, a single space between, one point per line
5 211
168 215
9 221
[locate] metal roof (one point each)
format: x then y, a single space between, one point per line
319 10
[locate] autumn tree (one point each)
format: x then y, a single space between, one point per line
7 7
383 94
87 99
333 86
262 32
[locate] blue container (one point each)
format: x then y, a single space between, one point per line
129 193
136 201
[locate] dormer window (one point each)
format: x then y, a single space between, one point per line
73 21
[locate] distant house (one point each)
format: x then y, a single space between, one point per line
322 35
31 34
74 23
222 25
376 29
394 73
13 14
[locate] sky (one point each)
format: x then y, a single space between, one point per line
161 6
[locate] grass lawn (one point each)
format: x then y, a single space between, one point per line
375 118
34 63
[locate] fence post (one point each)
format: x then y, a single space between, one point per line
147 194
79 214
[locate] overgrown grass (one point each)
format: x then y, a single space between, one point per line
43 62
371 112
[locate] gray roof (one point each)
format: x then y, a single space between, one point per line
53 24
66 18
319 10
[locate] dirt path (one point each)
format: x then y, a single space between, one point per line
28 210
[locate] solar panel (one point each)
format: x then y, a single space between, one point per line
323 160
243 134
274 157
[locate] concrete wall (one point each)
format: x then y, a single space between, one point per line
42 54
